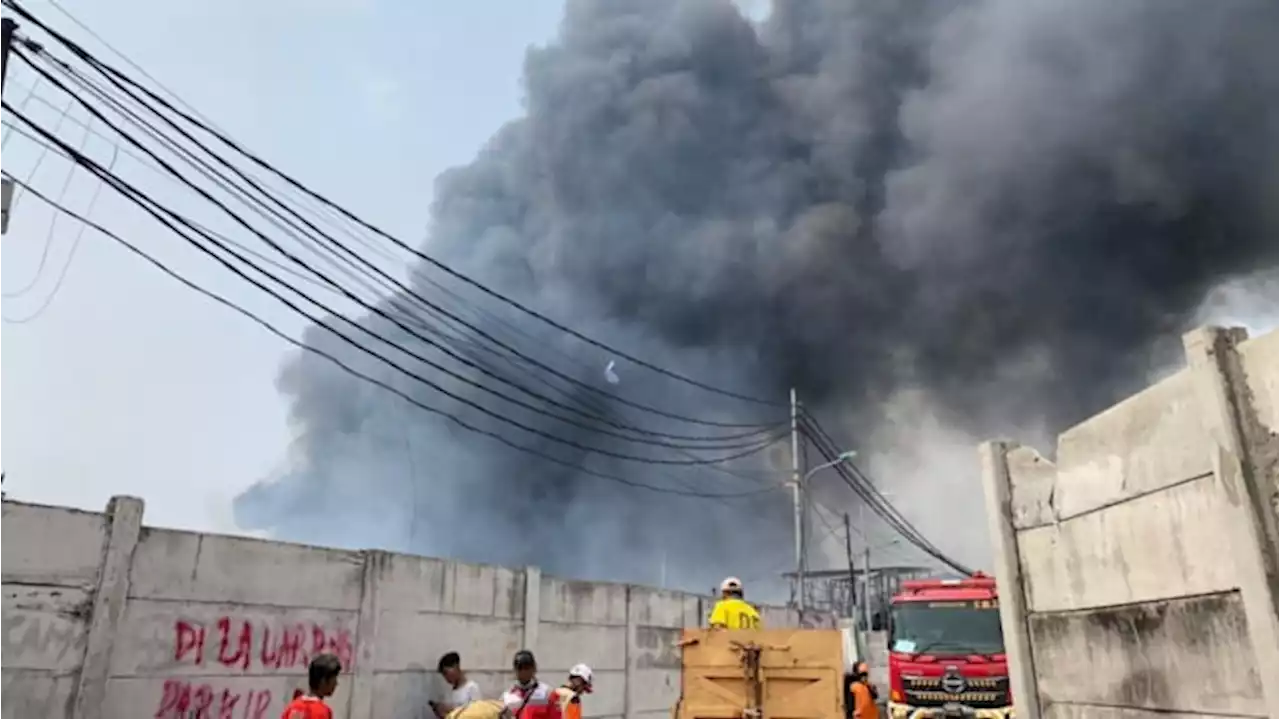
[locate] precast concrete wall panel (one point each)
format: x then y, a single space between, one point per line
51 560
52 546
105 618
220 625
1141 445
657 619
427 607
1131 656
1259 356
174 566
1131 552
425 584
1134 571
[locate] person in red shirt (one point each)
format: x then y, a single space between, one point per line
322 682
529 698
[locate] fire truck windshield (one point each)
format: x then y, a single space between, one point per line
963 627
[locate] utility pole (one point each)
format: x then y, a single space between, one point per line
866 587
7 25
797 499
866 565
853 574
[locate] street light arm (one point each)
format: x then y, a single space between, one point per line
843 457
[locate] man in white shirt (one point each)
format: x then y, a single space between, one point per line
462 691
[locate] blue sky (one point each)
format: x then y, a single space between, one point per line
130 384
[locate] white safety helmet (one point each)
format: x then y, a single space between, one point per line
581 671
731 585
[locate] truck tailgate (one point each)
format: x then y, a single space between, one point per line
801 672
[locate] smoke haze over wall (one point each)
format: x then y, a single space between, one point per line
989 214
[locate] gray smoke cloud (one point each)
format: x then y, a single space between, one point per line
990 213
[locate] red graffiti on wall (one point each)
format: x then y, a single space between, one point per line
242 644
185 700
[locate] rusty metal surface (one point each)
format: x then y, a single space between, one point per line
787 674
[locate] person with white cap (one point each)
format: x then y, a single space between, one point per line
732 611
570 695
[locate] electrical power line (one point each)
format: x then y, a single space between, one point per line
31 93
159 212
115 75
291 227
328 218
48 239
298 275
867 492
117 150
367 378
755 442
456 333
190 231
71 254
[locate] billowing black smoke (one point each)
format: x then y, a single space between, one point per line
1002 205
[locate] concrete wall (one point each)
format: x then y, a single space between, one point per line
106 618
1138 572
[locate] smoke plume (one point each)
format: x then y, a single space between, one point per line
983 213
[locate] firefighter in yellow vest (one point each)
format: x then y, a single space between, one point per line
732 611
570 695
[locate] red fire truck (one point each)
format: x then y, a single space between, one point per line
946 651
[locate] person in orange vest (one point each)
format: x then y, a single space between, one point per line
322 682
570 695
863 693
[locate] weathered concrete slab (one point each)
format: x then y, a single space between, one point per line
51 545
1150 440
419 639
657 648
560 646
1260 358
181 639
45 628
1159 545
1141 656
1087 711
571 602
241 697
663 608
36 694
662 690
438 585
201 567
